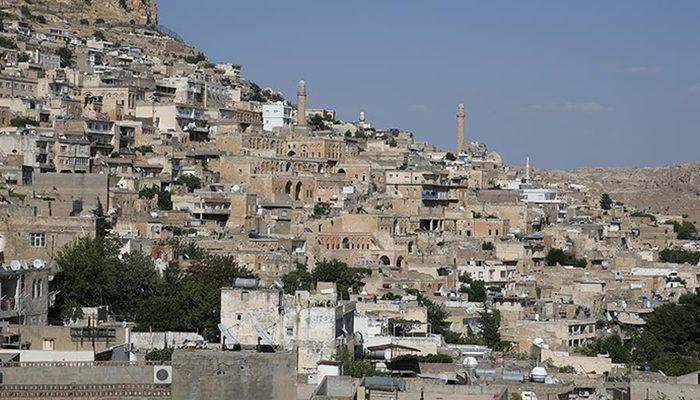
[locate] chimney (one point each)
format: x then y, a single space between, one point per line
460 128
301 104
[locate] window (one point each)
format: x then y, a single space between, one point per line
49 344
37 288
37 239
245 296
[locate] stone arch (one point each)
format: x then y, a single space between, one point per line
410 247
341 171
384 260
288 187
346 243
291 153
297 191
399 261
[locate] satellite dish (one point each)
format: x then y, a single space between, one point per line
228 334
38 264
15 265
264 336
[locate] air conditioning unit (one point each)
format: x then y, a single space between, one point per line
162 375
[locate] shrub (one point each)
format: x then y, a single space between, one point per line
557 256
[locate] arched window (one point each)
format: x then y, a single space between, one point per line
297 191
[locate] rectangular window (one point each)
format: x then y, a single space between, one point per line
37 239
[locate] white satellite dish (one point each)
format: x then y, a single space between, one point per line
38 264
15 265
266 338
231 338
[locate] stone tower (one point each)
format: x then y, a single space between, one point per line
362 120
301 104
460 129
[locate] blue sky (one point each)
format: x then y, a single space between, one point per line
571 84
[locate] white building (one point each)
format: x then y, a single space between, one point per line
276 115
315 325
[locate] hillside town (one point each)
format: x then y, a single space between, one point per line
170 229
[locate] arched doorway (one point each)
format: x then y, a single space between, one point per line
384 260
297 191
288 187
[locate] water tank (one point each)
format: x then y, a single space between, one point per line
538 374
247 283
470 363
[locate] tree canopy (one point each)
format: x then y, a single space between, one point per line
93 274
606 202
326 271
560 257
679 256
670 341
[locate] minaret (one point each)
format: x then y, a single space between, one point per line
362 120
301 104
460 128
527 169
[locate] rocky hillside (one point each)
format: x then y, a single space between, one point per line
136 12
669 189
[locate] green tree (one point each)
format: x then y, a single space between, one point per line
66 56
344 277
321 210
145 149
7 43
88 273
437 315
161 355
559 257
23 57
611 345
606 201
136 280
299 279
21 122
679 256
487 246
102 224
191 182
490 320
356 368
475 290
317 122
685 230
165 201
149 193
190 299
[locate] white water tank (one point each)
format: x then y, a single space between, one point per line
538 374
470 363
